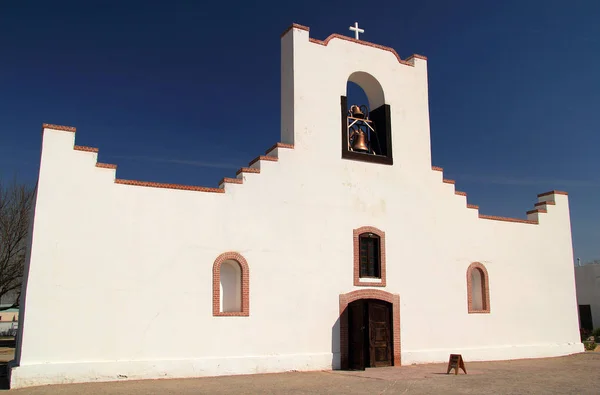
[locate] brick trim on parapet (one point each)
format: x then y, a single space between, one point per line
553 193
247 170
245 272
266 157
536 211
497 218
59 127
295 26
346 299
106 165
547 202
507 219
166 185
279 145
382 256
485 291
406 62
85 149
231 180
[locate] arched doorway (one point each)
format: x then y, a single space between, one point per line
369 334
369 329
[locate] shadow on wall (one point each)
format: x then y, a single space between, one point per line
336 363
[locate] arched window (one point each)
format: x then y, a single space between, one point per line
230 285
366 122
369 257
478 293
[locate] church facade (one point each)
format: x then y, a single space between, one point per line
340 247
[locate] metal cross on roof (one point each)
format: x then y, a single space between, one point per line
356 30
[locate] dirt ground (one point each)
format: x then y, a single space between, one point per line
575 374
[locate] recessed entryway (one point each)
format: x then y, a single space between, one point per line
369 334
369 329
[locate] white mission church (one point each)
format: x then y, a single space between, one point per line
344 251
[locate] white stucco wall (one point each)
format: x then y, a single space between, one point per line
106 249
587 278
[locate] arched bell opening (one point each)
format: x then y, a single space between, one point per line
369 86
356 95
366 121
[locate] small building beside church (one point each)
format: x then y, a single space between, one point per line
9 317
340 247
587 279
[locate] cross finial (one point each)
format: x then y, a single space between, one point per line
356 30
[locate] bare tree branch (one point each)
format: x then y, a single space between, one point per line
16 203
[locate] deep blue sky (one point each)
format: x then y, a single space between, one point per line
159 86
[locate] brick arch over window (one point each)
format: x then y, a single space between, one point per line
245 285
483 293
382 256
346 299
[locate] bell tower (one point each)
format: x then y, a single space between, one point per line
366 134
390 130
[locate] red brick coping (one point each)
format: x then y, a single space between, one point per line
168 186
59 127
266 157
546 203
553 193
106 165
541 210
85 149
173 186
407 62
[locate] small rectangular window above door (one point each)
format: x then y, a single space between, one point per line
370 265
369 257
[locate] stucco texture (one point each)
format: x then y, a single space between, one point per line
109 249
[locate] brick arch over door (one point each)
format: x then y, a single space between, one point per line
346 299
245 273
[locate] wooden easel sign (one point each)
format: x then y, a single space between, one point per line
455 362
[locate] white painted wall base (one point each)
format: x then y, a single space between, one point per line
67 373
498 353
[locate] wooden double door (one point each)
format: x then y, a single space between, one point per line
369 334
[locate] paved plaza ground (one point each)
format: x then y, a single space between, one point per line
575 374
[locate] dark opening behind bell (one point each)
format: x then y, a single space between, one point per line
356 112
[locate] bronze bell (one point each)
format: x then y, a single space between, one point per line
356 112
360 141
